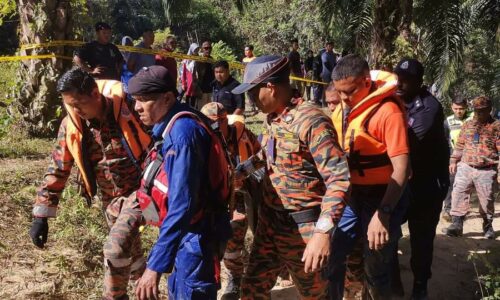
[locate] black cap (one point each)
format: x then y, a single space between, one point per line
151 80
263 69
410 67
101 26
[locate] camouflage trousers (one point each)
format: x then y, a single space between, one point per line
123 256
234 257
354 277
280 242
485 182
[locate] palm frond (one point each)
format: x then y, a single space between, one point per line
171 7
444 38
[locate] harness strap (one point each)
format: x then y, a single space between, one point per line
153 168
362 162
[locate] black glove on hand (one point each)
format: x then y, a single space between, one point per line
39 231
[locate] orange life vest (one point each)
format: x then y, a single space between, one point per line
134 139
367 157
245 147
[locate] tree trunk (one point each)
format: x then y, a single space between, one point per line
385 31
37 99
406 18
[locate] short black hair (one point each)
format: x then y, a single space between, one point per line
329 43
221 64
294 40
351 65
76 80
250 47
459 101
147 29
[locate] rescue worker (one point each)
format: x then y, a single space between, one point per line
353 287
429 156
242 145
373 134
305 193
452 126
475 162
101 136
332 98
176 195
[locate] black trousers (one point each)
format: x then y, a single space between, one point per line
426 201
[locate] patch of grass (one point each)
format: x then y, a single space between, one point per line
255 123
21 146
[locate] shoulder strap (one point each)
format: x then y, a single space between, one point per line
183 114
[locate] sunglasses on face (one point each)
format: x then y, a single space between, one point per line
207 48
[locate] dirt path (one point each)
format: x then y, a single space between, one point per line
73 270
454 274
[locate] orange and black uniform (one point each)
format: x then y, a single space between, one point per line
371 133
108 154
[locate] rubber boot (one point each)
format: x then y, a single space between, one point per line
457 227
419 291
488 231
396 283
232 291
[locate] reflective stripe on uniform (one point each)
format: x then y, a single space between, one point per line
163 188
44 211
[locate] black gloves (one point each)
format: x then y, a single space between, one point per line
39 231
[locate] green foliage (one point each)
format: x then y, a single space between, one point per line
7 83
479 74
270 25
491 283
160 36
7 9
349 23
13 145
221 51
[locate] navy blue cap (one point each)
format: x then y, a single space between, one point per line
260 70
101 26
150 80
410 67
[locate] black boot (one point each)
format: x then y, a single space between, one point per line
457 227
488 231
419 291
232 291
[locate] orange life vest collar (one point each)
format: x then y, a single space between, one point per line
135 140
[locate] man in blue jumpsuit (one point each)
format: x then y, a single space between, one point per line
186 243
429 157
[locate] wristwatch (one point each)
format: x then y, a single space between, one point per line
386 209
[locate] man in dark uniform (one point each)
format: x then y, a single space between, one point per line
100 58
221 89
429 156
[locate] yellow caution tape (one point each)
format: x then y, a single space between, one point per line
176 55
307 80
28 57
59 43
